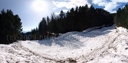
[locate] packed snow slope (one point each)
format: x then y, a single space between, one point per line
105 45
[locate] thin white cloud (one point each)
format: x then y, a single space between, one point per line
70 3
100 2
80 2
113 11
65 10
63 4
57 13
123 1
123 6
109 5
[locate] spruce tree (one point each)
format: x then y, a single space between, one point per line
43 27
10 27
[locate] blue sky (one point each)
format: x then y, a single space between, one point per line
32 11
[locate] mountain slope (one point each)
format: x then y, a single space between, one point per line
100 45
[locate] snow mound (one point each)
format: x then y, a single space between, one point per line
122 30
105 45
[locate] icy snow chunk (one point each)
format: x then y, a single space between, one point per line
121 30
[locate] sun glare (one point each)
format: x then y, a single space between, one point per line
39 6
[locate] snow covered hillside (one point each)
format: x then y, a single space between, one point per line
106 45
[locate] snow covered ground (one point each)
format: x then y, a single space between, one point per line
106 45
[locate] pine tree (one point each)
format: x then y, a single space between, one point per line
48 20
43 27
10 27
61 14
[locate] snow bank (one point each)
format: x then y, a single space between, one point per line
105 45
122 30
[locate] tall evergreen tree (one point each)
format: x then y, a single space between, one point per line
48 20
61 14
43 27
10 27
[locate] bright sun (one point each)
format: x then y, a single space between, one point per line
39 6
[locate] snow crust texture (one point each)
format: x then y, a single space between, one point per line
105 45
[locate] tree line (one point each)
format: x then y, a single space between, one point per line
10 27
121 18
76 19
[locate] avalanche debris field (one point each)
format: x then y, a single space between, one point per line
105 45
